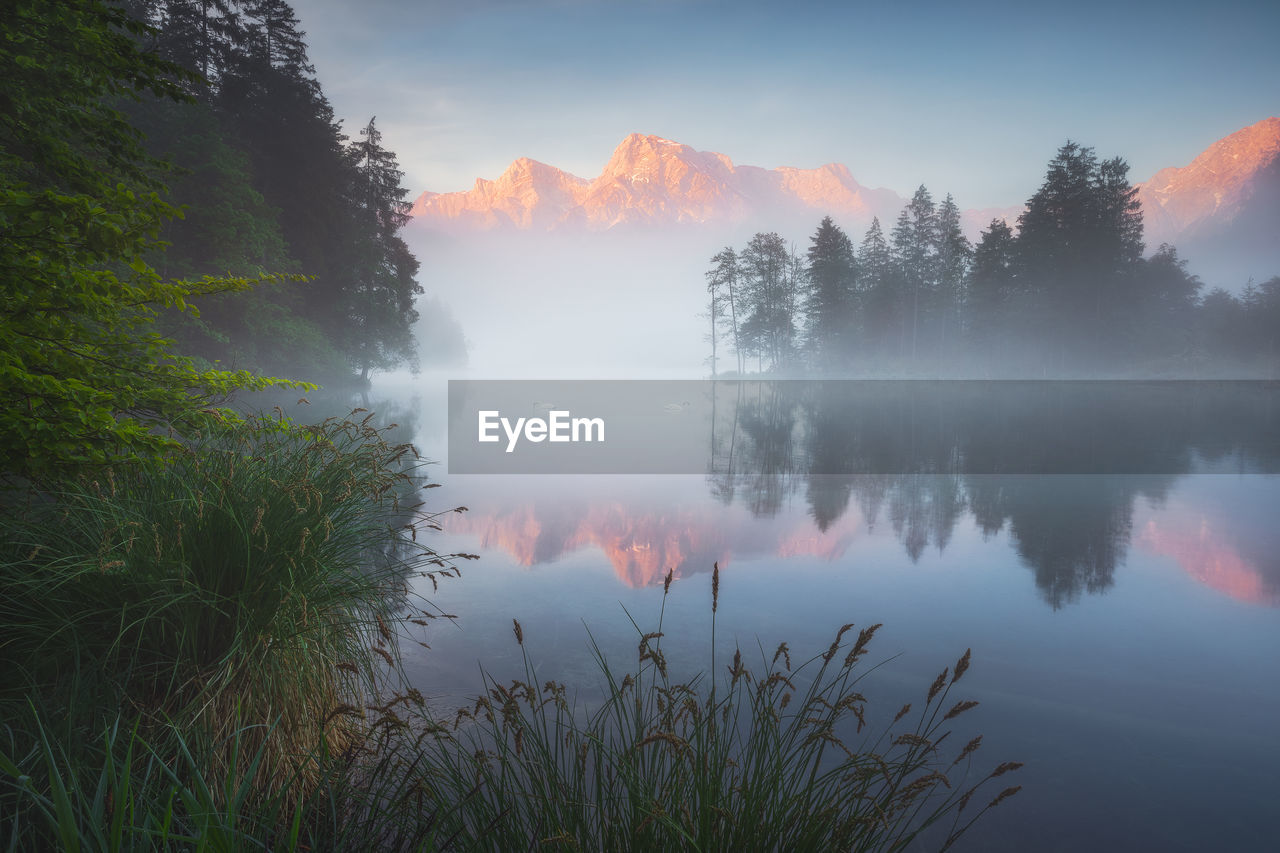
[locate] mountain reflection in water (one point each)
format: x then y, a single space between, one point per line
941 454
1142 515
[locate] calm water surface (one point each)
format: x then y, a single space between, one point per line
1125 628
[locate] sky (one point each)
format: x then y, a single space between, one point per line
971 98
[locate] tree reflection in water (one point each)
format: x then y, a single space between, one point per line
1058 465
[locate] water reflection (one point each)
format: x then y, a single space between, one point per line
1072 532
1071 529
942 455
784 429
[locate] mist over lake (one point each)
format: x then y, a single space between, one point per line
1116 619
692 426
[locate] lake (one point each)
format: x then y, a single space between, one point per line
1120 588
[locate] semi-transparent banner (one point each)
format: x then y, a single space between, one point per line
851 427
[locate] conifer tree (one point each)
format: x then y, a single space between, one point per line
830 298
1079 249
952 261
877 283
991 289
381 289
915 243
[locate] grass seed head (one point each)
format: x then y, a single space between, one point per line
715 586
962 666
960 708
937 685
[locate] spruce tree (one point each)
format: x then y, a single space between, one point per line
914 249
992 291
830 298
1079 250
380 292
952 261
879 293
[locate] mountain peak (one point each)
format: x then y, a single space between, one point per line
653 180
1213 187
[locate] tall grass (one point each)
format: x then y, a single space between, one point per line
204 657
236 602
771 757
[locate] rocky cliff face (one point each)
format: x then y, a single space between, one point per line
1214 189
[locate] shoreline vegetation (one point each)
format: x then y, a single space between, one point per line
204 655
201 611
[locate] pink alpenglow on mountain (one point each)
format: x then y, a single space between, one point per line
1224 203
652 181
1212 191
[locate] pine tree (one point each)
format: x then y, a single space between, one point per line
335 208
830 298
992 290
952 261
199 35
381 290
275 39
878 285
915 243
1079 249
1163 304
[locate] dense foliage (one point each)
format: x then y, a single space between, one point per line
1066 292
85 378
187 650
272 181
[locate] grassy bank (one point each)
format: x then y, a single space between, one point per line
204 655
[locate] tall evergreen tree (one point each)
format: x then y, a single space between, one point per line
199 35
992 289
1162 306
953 252
1079 246
915 240
381 290
274 37
879 293
336 207
1262 322
830 298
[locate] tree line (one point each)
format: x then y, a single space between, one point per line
1067 291
182 216
270 181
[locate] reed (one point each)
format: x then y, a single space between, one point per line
219 606
758 757
205 657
